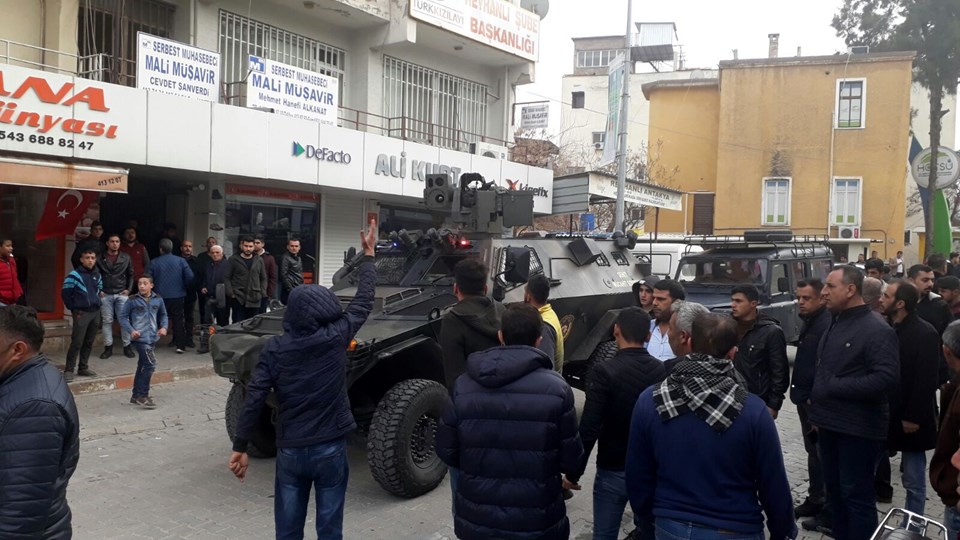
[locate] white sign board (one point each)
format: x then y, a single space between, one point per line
170 67
496 23
615 81
636 193
535 116
292 91
948 168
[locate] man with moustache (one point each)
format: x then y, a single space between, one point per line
665 293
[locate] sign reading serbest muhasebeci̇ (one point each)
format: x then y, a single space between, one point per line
292 91
535 116
170 67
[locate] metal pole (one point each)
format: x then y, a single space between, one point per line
624 110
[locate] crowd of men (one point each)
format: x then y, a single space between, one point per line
682 416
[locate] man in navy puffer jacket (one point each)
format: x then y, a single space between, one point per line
306 368
39 427
512 431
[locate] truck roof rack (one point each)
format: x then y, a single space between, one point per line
800 245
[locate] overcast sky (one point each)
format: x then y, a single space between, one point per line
708 30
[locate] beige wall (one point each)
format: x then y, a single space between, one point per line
21 24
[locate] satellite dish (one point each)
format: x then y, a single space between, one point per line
540 7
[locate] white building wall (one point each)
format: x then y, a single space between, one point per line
578 125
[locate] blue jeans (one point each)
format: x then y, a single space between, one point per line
146 364
849 466
914 480
110 306
609 500
951 519
669 529
323 466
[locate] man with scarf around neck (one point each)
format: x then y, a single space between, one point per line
704 457
857 367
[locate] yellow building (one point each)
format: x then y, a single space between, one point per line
818 145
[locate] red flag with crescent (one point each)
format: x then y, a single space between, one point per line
63 211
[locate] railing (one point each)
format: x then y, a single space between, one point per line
106 68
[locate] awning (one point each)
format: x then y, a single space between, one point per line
574 192
52 174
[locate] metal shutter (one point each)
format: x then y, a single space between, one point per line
342 219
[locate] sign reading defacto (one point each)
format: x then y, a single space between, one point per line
173 68
535 116
292 91
321 153
496 23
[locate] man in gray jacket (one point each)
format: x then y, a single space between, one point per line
246 282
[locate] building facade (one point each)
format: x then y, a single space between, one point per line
225 118
818 145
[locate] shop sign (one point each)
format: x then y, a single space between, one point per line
170 67
321 154
396 166
51 174
519 185
536 116
496 23
266 193
292 91
948 168
636 193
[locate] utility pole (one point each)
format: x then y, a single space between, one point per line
624 110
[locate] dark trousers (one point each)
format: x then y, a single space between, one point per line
146 364
849 465
202 302
815 492
264 302
284 295
213 313
322 467
189 321
241 312
175 314
881 483
85 326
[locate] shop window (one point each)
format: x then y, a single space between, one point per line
278 215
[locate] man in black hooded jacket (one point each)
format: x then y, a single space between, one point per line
762 349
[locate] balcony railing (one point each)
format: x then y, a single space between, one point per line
106 68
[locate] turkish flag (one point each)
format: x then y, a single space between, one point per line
64 209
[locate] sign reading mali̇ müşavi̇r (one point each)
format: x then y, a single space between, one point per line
292 91
170 67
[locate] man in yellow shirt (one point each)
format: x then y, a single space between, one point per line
536 294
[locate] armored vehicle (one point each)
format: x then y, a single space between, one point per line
394 367
773 261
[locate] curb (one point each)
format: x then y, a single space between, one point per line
121 382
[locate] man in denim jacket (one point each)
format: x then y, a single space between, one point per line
144 317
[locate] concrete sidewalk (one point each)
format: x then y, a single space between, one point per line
116 372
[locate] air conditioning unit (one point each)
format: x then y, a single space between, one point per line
598 146
494 151
849 233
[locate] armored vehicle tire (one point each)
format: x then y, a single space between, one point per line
605 351
263 444
400 444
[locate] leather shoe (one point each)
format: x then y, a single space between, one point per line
68 376
86 373
128 352
107 352
808 508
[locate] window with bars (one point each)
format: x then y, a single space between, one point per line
851 96
776 201
430 106
846 201
600 58
240 37
107 36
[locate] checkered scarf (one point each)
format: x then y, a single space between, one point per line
704 385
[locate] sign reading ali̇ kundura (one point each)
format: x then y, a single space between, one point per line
174 68
292 91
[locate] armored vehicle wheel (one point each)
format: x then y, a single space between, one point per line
263 444
603 353
400 445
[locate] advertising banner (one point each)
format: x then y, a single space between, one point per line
170 67
292 91
496 23
614 98
535 116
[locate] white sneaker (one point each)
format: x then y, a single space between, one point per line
179 350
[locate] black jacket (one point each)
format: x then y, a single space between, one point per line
762 360
934 309
306 367
116 277
512 431
914 400
198 268
805 362
40 447
291 271
246 285
469 326
215 274
858 366
612 390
